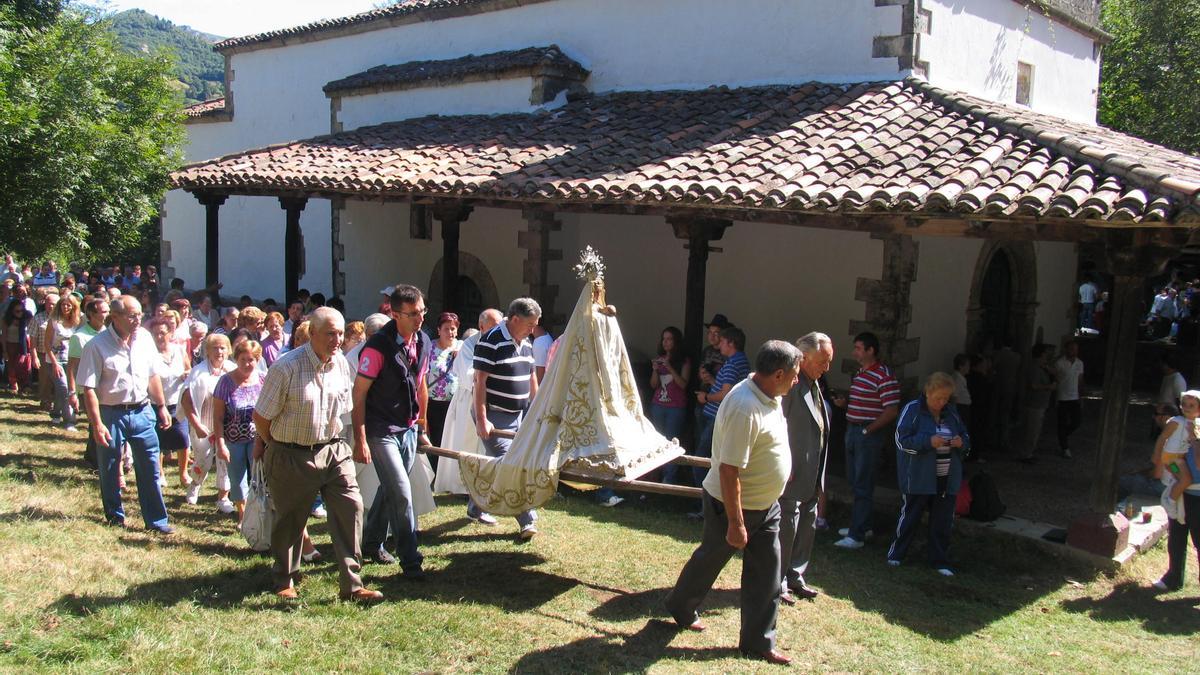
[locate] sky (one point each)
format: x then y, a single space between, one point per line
234 18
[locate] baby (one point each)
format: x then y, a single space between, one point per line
1171 453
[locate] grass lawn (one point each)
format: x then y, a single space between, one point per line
584 597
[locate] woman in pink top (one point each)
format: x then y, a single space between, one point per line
670 373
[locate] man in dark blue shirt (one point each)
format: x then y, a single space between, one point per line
505 384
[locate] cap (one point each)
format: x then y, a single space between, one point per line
719 321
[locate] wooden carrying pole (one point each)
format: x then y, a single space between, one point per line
617 483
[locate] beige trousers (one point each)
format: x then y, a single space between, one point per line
295 476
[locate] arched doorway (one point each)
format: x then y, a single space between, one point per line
1003 302
476 290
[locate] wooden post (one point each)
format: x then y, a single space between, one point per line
291 245
1131 259
699 233
450 215
212 204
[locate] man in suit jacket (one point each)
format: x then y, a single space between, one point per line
808 435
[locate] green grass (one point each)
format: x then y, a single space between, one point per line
584 597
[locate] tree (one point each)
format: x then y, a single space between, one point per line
88 136
1151 71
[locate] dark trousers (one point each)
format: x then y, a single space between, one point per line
941 522
862 458
797 529
1070 415
760 573
704 440
1177 540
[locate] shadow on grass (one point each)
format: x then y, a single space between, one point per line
616 652
995 578
502 579
219 590
33 513
629 606
1162 616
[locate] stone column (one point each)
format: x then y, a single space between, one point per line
538 255
1131 259
699 233
451 215
889 308
212 205
291 245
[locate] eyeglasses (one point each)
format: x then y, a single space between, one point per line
414 314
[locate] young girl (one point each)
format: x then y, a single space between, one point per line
1170 453
18 344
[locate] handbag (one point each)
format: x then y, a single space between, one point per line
259 516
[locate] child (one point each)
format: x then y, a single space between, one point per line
1171 453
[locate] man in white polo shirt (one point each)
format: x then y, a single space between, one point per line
751 462
124 400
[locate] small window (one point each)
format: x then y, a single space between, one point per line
1024 82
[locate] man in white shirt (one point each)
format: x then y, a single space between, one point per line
1069 371
751 463
124 400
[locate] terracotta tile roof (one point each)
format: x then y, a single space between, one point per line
890 147
532 60
207 108
406 10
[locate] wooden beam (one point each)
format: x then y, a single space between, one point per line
291 246
212 232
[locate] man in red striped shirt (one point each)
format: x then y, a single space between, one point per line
870 411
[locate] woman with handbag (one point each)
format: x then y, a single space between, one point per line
443 382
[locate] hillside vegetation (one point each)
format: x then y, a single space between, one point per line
200 70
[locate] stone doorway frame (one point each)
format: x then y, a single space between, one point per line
474 269
1022 258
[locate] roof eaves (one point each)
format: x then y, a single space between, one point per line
1097 155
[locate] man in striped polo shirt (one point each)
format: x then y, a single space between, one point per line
871 409
736 368
505 384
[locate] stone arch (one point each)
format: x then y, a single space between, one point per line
472 268
1019 265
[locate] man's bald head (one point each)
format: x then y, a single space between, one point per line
489 319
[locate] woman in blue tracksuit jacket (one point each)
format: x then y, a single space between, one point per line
931 441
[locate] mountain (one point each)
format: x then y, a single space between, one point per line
201 70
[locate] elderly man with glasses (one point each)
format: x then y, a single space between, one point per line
124 400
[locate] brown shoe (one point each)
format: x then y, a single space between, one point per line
772 656
288 593
363 595
788 599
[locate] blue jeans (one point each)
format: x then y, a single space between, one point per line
239 468
498 447
670 423
862 458
135 427
704 447
393 456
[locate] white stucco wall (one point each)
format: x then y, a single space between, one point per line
974 46
471 98
939 296
1057 265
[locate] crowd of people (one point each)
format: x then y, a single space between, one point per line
203 389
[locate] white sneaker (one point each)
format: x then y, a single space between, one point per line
70 428
848 542
528 531
319 512
162 482
486 519
845 532
612 501
893 563
193 493
224 505
945 571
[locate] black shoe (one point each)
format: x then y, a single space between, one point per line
803 590
164 530
381 557
111 522
414 574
